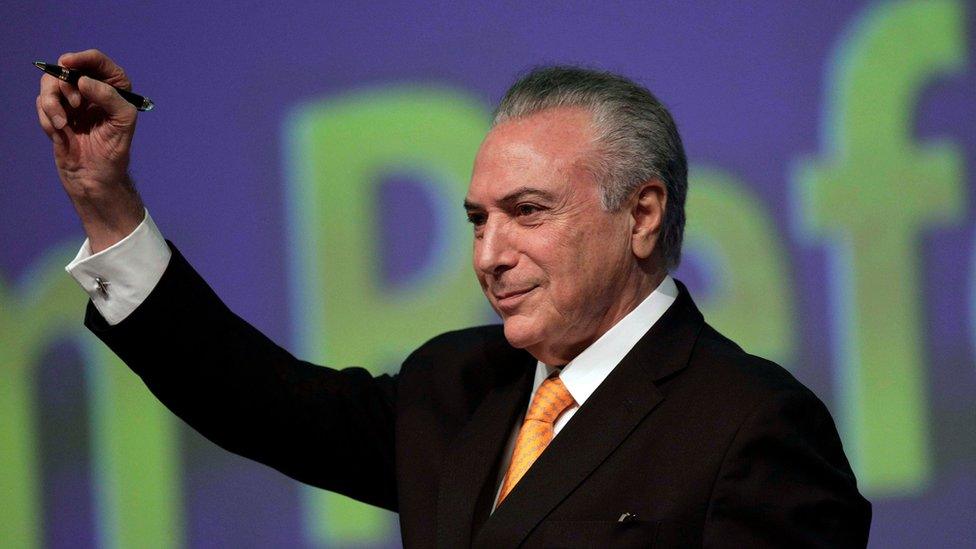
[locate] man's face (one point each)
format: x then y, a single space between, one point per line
551 261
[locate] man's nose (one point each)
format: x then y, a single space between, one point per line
494 252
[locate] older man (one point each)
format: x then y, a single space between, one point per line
605 412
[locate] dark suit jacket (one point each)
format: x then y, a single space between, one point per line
701 442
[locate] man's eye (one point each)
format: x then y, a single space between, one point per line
476 219
527 209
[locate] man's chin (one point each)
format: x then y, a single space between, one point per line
521 333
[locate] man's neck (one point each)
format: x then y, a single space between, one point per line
634 295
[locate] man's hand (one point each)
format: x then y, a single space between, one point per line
91 127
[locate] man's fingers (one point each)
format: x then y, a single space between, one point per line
53 133
46 124
106 97
51 92
49 104
70 92
97 65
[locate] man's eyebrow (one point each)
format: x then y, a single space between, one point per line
524 192
515 196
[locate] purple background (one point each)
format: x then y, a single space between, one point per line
745 83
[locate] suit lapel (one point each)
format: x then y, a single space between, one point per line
475 453
604 421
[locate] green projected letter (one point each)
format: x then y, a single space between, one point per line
752 301
136 478
344 312
135 456
28 322
871 196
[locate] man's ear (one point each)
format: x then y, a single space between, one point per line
647 217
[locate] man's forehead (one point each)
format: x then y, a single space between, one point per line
543 151
511 178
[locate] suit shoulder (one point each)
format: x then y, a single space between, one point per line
744 393
465 336
468 347
454 370
745 377
780 446
458 343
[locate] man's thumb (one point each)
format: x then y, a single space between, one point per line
104 96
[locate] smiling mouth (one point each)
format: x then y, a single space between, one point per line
508 300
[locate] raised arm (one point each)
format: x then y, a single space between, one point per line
329 428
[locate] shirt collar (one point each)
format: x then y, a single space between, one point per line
587 371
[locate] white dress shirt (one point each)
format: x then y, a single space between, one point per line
586 372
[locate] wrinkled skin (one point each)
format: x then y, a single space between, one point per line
558 268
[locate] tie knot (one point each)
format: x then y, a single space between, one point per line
550 400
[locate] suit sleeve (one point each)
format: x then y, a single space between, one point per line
785 482
329 428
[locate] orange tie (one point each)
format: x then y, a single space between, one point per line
551 399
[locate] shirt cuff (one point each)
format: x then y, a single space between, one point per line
119 278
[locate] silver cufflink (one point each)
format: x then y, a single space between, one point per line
101 285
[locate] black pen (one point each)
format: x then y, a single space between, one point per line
71 76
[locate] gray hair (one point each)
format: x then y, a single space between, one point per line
636 140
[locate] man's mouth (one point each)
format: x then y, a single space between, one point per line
511 298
